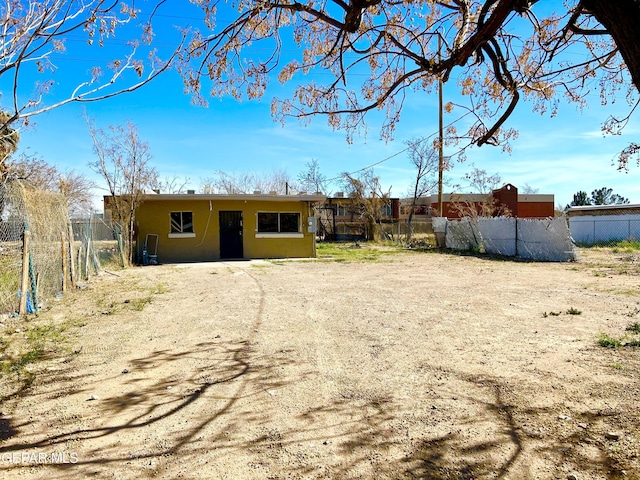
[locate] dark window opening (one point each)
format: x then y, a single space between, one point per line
181 222
271 222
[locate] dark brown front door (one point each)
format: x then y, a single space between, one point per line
231 234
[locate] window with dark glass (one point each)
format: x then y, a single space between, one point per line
268 222
181 222
290 222
272 222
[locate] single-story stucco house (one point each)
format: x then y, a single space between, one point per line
205 227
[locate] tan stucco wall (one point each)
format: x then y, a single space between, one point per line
153 217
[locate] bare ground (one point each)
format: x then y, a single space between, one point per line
430 366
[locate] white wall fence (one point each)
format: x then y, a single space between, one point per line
602 229
533 239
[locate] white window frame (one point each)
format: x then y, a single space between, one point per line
280 234
181 234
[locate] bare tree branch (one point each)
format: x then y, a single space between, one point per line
375 51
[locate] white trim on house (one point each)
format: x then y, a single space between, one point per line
279 235
181 235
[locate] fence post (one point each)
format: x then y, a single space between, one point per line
517 237
64 262
26 240
34 284
119 239
72 261
86 260
94 259
80 260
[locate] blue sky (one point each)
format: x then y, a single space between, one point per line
557 156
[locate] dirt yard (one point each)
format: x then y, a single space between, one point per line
417 365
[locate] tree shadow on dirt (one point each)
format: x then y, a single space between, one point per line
226 372
357 432
560 449
372 438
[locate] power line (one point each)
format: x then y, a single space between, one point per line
398 153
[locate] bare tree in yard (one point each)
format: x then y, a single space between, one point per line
367 199
499 52
9 139
123 161
33 40
33 170
425 159
528 189
312 180
480 182
75 187
230 183
277 180
172 185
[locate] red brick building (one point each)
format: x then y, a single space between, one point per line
505 200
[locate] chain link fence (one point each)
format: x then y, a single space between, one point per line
604 229
10 263
96 245
422 235
42 252
44 215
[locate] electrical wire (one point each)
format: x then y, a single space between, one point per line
206 228
424 139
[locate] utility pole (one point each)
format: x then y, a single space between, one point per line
440 133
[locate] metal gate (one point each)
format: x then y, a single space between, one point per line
231 245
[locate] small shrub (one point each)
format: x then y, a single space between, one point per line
39 339
160 289
27 358
608 341
633 327
139 303
573 311
41 334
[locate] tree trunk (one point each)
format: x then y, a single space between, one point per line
621 18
